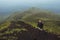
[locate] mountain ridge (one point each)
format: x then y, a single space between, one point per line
24 31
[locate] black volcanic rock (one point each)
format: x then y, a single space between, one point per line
31 33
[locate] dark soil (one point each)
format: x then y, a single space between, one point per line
30 34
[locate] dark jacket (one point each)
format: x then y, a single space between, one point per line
40 24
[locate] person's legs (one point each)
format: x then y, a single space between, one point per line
41 28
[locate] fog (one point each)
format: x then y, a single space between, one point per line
7 6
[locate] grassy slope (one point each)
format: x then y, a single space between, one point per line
51 20
32 15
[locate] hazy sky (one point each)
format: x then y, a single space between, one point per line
12 2
7 5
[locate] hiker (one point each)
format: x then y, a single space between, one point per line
40 24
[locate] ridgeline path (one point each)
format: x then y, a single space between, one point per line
31 33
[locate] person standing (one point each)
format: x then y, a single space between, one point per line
40 24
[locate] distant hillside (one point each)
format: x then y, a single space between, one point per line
23 25
31 16
36 13
3 18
